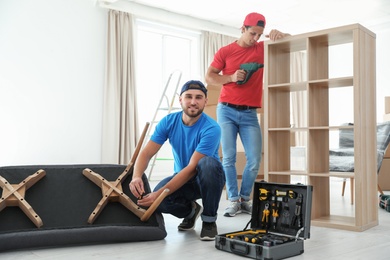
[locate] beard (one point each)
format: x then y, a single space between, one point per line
192 112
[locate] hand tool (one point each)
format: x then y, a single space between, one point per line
264 194
246 232
275 214
265 216
297 218
291 194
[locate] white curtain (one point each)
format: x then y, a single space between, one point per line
299 98
211 42
120 132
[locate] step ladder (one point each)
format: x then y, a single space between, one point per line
165 106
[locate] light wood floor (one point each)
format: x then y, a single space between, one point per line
325 243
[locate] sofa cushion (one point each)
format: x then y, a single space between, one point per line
342 159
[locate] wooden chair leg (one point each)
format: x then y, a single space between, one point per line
352 190
342 191
380 190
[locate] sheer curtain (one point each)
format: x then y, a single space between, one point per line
120 132
299 98
211 42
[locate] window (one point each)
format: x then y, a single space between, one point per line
160 51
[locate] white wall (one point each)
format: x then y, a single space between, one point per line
52 57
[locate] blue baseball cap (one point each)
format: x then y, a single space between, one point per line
193 84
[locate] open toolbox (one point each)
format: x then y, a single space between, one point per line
280 223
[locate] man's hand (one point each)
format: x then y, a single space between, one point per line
239 75
276 35
137 187
147 200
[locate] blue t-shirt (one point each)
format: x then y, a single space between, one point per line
204 137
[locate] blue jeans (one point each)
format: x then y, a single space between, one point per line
207 185
235 122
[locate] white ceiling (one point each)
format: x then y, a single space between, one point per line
293 16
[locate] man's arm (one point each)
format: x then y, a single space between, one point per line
214 78
141 164
176 182
186 174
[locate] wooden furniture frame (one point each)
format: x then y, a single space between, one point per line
13 196
316 85
112 190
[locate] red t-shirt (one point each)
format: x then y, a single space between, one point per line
228 59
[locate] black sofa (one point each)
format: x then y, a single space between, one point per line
64 199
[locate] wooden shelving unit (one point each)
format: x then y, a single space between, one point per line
317 86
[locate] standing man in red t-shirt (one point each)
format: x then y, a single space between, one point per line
241 64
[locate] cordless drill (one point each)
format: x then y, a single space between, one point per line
249 68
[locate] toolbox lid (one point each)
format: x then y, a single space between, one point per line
282 208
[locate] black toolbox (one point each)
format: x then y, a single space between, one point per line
280 223
384 202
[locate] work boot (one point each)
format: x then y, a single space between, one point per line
189 223
209 231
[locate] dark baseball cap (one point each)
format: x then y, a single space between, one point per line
193 84
254 19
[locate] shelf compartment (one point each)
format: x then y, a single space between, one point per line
279 99
318 152
279 150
